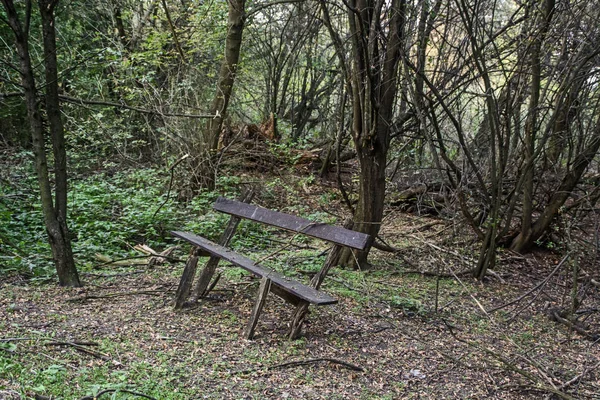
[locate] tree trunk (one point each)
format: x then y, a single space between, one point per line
54 212
373 84
531 124
561 194
369 210
207 146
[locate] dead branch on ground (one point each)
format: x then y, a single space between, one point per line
106 391
510 366
118 294
536 287
82 349
297 363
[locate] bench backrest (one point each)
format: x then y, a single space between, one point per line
333 234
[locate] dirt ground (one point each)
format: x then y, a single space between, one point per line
395 333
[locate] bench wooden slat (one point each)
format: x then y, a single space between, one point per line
334 234
299 290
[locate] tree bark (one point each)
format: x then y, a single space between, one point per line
531 123
205 177
561 194
54 210
373 87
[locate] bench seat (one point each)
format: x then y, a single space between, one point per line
334 234
288 285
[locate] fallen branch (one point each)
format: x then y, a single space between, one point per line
558 318
344 284
538 286
120 261
176 338
117 294
431 273
82 349
426 226
71 344
15 339
297 363
433 246
384 246
578 377
112 275
510 366
105 391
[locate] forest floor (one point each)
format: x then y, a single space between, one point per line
398 331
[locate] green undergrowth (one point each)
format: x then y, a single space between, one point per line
110 212
35 368
35 374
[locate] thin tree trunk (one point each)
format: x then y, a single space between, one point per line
210 140
531 124
54 212
374 88
561 194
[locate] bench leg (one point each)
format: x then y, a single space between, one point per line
297 320
183 290
202 286
263 291
206 275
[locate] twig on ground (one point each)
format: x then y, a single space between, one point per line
510 366
71 343
176 339
82 349
495 275
111 275
425 226
592 336
105 391
117 294
384 246
538 286
578 377
297 363
341 282
431 273
119 261
406 260
438 248
57 361
15 339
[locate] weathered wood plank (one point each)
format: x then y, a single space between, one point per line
207 273
334 234
299 290
187 278
298 320
261 298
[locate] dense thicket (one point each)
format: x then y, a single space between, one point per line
496 100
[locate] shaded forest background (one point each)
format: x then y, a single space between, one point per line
485 112
122 120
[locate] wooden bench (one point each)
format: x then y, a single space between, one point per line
293 292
